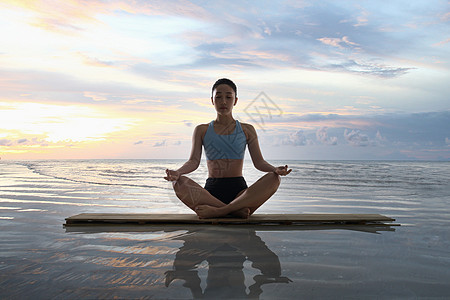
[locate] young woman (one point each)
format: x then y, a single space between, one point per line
225 140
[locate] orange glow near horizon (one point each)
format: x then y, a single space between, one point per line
41 130
58 123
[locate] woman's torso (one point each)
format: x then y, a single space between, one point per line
225 167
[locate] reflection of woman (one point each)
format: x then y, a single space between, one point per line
225 140
225 254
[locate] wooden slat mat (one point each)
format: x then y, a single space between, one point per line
256 219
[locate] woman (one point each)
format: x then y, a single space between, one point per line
225 140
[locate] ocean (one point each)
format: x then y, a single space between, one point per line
40 259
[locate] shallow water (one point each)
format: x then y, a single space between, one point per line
40 259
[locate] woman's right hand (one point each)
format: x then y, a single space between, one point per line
172 175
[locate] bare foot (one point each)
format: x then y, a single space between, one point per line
207 212
243 213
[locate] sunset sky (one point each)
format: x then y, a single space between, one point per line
317 79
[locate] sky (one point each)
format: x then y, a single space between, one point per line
319 80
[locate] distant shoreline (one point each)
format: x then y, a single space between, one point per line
204 160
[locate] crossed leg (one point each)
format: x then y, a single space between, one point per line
250 199
193 195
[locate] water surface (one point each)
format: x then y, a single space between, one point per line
39 259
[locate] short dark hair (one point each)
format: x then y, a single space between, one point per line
224 81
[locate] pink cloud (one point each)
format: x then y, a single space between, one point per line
69 16
337 42
441 43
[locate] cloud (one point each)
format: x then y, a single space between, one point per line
23 142
367 68
139 143
60 17
322 136
188 123
5 142
229 41
225 54
379 138
353 51
441 43
418 128
416 135
356 138
69 17
160 144
65 87
297 138
362 20
96 96
338 42
95 61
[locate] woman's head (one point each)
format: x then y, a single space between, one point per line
224 96
225 81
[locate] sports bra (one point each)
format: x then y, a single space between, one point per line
229 146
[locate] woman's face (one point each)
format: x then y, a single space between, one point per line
224 99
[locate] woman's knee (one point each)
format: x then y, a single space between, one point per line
274 179
181 183
182 180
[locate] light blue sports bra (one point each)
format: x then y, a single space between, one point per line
230 146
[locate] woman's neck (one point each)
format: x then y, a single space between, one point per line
225 119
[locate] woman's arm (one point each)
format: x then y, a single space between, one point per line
194 160
255 153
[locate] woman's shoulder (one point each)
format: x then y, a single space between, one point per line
248 129
201 128
247 126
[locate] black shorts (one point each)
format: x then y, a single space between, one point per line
225 189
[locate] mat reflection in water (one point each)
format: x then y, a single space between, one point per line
230 262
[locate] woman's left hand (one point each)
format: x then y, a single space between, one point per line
283 170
